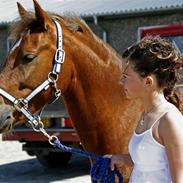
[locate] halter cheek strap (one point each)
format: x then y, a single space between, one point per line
21 104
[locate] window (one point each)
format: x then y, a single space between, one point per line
10 43
173 33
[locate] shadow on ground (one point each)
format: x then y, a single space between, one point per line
30 171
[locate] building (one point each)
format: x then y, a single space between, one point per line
116 22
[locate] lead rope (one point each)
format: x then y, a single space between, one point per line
100 170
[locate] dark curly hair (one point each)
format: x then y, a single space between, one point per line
155 55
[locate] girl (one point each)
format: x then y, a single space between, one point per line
156 146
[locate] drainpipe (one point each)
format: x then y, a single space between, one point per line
104 33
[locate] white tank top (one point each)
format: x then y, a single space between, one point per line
149 158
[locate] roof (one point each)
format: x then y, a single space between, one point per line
87 8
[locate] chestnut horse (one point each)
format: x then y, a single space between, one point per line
90 80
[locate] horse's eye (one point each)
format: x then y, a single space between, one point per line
28 58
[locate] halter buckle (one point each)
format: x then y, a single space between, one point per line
60 56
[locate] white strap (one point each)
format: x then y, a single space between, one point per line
7 95
162 114
29 116
60 53
44 85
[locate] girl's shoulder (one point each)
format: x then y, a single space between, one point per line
171 121
173 114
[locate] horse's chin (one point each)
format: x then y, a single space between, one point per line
6 126
6 118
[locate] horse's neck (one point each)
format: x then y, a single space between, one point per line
96 101
97 80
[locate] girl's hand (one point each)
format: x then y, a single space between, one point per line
116 159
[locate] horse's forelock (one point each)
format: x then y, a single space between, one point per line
21 26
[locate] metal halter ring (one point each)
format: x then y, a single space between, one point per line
37 127
52 139
52 77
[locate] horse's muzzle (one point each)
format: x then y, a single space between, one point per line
6 117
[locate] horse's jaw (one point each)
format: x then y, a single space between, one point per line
6 118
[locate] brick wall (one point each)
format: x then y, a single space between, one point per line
123 32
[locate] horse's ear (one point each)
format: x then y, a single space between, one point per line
42 17
22 11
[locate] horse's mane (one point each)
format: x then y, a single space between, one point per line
73 23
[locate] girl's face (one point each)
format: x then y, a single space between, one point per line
133 83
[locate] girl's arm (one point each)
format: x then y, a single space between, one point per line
171 132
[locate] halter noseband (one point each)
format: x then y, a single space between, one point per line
21 104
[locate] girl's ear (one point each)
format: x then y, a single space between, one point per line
149 81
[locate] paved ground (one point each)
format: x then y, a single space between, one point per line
17 167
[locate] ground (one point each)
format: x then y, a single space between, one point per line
17 167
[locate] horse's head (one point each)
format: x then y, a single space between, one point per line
29 63
88 64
